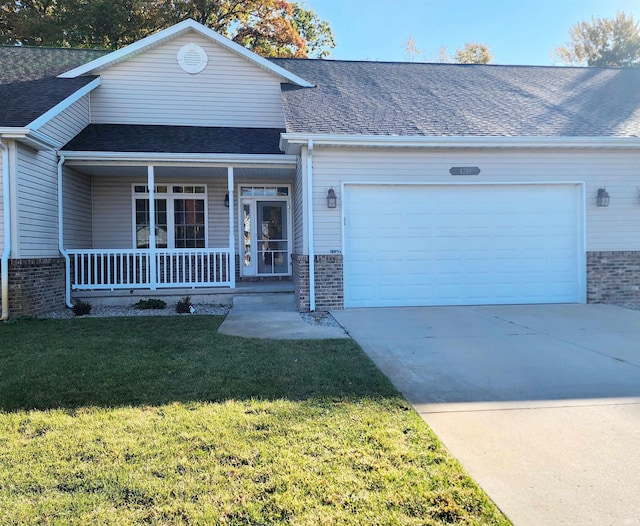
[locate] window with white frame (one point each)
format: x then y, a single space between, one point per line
180 214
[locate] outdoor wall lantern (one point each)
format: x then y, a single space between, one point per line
602 198
226 200
332 200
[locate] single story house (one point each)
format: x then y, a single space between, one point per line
184 161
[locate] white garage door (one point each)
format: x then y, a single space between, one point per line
462 245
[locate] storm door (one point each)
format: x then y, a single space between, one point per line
265 235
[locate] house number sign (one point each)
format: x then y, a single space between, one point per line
464 170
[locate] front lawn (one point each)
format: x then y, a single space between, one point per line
161 420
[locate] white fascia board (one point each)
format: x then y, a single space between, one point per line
144 158
63 105
32 138
292 142
172 32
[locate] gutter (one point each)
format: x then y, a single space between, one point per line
67 259
158 158
291 142
32 138
312 263
6 201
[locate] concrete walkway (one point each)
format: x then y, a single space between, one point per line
541 404
273 316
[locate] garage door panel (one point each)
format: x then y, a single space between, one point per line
457 245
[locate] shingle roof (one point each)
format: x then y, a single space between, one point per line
374 98
21 63
382 98
23 102
176 139
28 83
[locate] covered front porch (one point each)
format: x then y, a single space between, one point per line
171 224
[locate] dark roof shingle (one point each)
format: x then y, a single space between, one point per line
381 98
175 139
28 83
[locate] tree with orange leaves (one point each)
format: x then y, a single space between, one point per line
272 28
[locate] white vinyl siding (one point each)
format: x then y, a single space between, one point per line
1 205
37 197
66 125
113 211
152 89
77 210
615 228
298 210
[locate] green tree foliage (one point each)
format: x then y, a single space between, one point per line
268 27
473 53
603 42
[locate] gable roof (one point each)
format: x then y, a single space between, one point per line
172 32
450 100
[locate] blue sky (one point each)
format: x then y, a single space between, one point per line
517 31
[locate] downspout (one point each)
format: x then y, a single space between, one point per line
312 263
6 201
67 260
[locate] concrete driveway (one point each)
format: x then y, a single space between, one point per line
540 403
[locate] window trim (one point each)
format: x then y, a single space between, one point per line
170 196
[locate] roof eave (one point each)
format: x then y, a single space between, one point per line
172 32
30 138
158 158
291 143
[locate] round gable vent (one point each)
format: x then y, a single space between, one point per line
192 58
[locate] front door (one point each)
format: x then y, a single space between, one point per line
265 224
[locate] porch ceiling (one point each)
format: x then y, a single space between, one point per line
240 173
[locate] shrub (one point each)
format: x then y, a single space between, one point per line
151 303
81 308
184 305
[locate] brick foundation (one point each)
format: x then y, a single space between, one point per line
613 277
329 285
36 286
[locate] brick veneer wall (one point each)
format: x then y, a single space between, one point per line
36 286
329 285
613 277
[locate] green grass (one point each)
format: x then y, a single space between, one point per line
165 421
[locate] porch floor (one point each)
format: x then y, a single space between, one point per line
217 295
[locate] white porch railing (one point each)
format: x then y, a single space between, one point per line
132 269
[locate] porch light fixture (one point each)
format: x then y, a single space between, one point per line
226 200
332 200
602 198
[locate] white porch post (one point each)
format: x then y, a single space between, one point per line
152 227
232 229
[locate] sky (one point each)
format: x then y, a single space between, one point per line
516 31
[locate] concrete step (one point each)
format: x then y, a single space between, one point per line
282 301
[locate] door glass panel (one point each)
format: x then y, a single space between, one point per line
272 244
246 220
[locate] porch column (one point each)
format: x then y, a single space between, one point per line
152 227
232 237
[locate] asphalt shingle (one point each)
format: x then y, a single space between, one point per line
413 99
383 98
176 139
28 83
